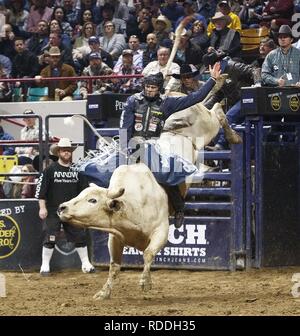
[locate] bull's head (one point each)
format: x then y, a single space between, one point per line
93 207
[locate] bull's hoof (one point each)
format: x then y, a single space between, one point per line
102 295
145 285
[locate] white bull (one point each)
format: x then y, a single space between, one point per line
133 210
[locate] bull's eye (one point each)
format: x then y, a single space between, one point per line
92 200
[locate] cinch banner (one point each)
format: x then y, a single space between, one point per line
195 246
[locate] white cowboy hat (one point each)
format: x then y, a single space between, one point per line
221 16
63 143
163 19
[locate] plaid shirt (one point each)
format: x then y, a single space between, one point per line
277 65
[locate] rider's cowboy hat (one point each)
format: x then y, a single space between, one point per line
63 143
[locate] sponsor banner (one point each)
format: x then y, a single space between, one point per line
21 239
196 246
20 235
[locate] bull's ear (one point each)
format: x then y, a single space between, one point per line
114 205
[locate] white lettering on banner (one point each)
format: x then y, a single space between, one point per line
66 175
5 212
119 105
195 235
192 231
12 211
195 231
93 106
2 285
19 209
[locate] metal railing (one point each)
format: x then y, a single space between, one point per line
89 79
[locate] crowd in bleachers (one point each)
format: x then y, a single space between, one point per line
56 38
68 38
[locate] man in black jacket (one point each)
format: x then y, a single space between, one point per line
25 63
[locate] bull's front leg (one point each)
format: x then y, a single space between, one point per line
115 248
158 241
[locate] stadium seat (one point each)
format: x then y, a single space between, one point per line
250 41
36 93
17 95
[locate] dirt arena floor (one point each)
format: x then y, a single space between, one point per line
174 293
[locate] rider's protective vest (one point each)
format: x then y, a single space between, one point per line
148 118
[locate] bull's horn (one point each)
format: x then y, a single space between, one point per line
115 194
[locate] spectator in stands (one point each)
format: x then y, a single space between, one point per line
145 27
96 68
188 77
281 66
223 40
112 42
28 133
207 8
58 90
132 25
5 87
25 64
6 65
6 150
199 35
234 23
189 7
277 13
162 28
7 42
94 46
150 53
40 39
188 52
163 55
56 27
5 13
72 12
125 85
18 18
88 30
51 192
134 45
87 17
25 190
250 13
66 52
107 13
59 15
91 5
173 11
121 10
266 46
39 11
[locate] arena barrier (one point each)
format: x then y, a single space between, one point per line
213 234
21 237
272 176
